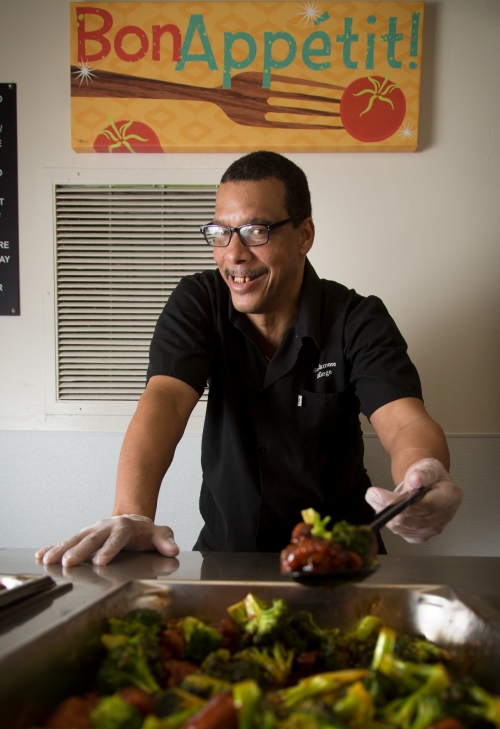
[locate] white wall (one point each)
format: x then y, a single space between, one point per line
421 231
54 483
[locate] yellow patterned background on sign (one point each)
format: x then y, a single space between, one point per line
240 76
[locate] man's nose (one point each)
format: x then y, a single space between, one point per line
236 246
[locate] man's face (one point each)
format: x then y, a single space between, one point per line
262 279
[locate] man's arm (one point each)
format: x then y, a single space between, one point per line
150 442
408 434
147 452
419 456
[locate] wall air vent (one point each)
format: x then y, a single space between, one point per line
120 251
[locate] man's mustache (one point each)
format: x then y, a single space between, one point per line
245 273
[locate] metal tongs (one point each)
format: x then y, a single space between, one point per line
342 576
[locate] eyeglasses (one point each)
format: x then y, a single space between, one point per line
251 234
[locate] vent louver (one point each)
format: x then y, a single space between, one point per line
121 250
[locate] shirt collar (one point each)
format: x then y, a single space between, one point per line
309 319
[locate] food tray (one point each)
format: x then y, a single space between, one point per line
36 676
18 587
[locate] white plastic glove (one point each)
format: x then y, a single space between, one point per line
428 517
107 537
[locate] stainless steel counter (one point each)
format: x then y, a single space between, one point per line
471 576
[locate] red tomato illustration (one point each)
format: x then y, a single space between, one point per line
127 136
372 108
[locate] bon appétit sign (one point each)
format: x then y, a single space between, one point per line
241 76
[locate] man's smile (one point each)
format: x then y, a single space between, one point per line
243 277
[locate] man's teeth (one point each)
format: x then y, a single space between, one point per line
240 280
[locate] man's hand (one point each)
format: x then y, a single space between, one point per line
147 451
106 538
428 517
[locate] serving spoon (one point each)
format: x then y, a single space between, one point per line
343 576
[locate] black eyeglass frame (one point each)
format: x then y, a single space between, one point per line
271 227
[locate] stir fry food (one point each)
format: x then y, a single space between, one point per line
268 666
314 548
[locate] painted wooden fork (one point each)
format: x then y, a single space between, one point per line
246 103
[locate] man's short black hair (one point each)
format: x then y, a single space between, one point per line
261 166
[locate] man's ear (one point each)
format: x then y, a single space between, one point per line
307 232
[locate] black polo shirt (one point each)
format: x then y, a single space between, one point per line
284 435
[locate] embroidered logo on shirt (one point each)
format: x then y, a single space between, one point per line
324 370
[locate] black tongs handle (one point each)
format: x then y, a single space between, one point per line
394 509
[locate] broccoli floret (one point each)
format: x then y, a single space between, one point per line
406 674
217 664
110 641
417 649
281 664
267 624
403 683
221 665
356 705
314 717
386 642
337 651
173 700
401 712
483 705
174 721
404 712
261 665
310 719
429 710
253 606
127 665
200 639
368 627
301 633
357 539
112 712
243 611
350 650
141 623
267 720
318 685
471 703
318 524
246 695
276 662
203 685
138 626
414 712
382 688
264 625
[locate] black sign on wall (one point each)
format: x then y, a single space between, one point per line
9 221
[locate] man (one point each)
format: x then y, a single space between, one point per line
290 360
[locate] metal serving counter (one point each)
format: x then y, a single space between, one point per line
476 578
49 638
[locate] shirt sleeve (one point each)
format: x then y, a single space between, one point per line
381 370
183 340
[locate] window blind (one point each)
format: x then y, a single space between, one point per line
120 251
